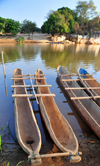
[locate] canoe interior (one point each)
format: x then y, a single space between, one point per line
61 128
26 129
87 108
91 83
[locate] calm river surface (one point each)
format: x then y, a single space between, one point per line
47 57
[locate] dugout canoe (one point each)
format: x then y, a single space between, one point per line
58 127
87 108
93 87
26 127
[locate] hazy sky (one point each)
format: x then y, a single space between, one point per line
35 10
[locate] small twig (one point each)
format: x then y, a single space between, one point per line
2 159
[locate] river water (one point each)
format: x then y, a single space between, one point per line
47 57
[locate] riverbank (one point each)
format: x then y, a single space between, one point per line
35 38
45 38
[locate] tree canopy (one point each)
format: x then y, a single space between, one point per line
65 20
60 21
2 24
12 26
28 26
86 10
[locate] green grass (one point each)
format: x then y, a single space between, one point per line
8 163
19 163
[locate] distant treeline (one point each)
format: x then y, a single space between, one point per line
13 27
83 20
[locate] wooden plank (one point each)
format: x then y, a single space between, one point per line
55 154
29 86
27 75
27 78
86 79
86 97
76 88
31 95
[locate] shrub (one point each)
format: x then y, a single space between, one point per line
20 39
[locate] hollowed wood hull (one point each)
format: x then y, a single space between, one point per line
26 128
57 126
90 83
87 108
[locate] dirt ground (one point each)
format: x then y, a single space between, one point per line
90 148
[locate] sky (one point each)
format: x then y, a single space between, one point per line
35 10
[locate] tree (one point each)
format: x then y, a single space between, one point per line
76 27
60 21
86 10
12 27
93 25
70 16
28 26
2 24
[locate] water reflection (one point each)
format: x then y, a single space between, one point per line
71 56
47 57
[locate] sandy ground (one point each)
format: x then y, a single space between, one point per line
36 37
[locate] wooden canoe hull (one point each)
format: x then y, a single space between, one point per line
26 128
88 109
57 126
89 83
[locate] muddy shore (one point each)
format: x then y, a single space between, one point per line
90 148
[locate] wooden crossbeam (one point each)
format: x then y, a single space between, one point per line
55 154
81 79
31 95
28 78
29 86
85 97
27 75
86 79
77 88
73 74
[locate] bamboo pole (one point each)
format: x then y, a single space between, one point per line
55 154
86 87
27 78
4 73
31 95
86 79
85 97
77 88
29 86
33 89
27 75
